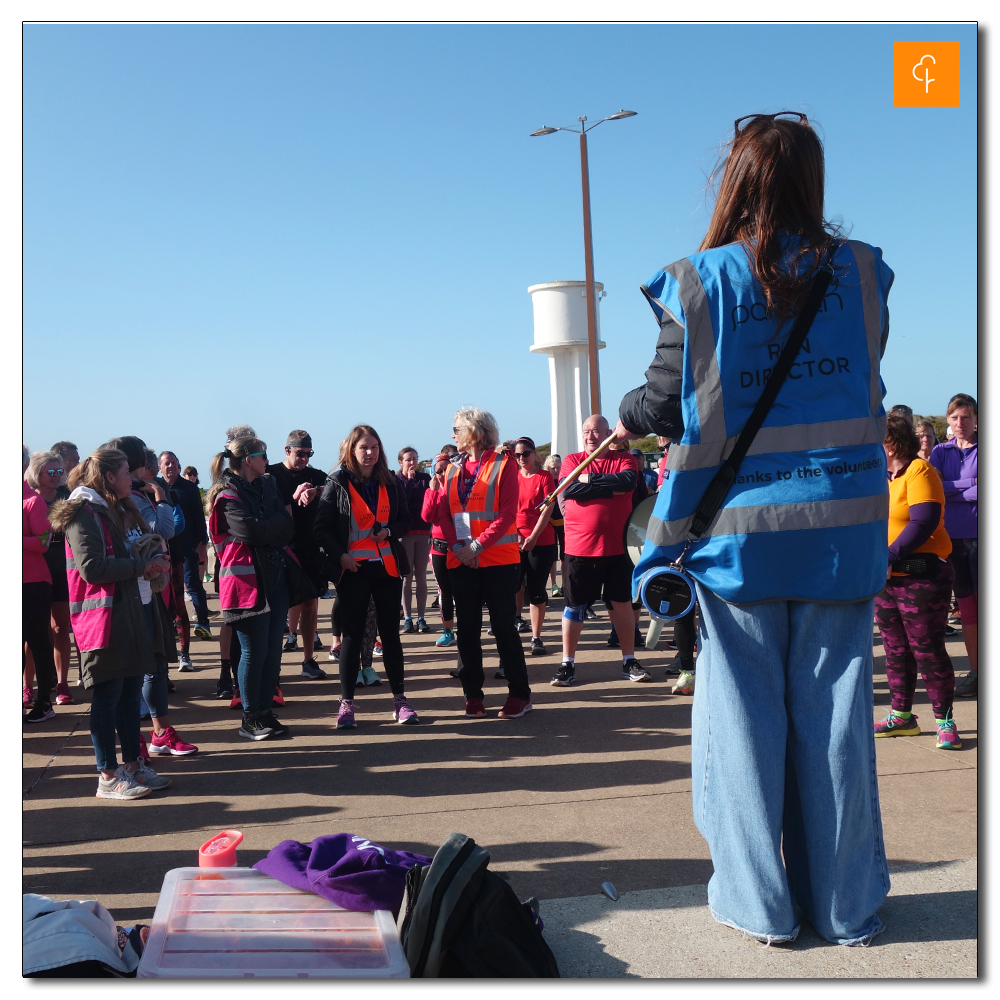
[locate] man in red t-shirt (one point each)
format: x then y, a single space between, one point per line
595 509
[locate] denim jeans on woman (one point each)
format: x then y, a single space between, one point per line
784 785
260 646
154 685
114 707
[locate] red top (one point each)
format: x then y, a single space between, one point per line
437 511
531 491
35 521
597 527
661 472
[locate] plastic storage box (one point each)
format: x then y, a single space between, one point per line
237 923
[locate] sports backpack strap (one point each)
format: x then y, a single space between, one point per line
726 476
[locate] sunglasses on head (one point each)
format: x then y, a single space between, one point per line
54 472
301 452
741 123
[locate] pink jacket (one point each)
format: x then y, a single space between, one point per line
35 540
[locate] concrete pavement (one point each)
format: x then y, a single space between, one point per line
592 786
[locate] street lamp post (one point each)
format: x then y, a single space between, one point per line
588 245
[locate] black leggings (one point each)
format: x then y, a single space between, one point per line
356 590
497 587
684 638
36 606
440 563
535 566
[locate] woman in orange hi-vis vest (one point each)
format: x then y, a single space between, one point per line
362 515
476 507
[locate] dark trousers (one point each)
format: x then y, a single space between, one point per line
260 645
192 580
114 707
370 583
36 606
154 685
440 563
496 586
684 638
179 607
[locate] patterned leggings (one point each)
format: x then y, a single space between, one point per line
911 614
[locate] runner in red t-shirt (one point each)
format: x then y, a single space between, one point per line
538 539
595 509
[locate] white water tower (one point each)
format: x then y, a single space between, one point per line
560 311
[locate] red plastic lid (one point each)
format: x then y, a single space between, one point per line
220 851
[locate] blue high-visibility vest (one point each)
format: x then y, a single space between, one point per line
806 518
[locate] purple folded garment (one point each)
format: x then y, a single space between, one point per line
346 869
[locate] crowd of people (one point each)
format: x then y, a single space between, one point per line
841 516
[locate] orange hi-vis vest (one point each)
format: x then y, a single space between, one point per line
361 542
481 508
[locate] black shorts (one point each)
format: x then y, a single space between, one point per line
588 578
55 558
535 566
312 563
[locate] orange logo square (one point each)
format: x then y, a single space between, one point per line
925 74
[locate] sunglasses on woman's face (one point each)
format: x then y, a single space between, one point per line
523 454
54 473
259 454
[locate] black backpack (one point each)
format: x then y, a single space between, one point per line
458 920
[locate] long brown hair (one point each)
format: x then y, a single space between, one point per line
381 471
90 473
772 184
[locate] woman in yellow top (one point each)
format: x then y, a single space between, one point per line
912 611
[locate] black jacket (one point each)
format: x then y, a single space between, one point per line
332 527
655 408
187 496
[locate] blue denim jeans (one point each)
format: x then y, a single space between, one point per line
114 707
784 786
260 645
195 587
154 685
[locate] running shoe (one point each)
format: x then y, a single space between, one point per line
377 651
446 638
40 713
278 700
514 708
335 651
368 677
63 697
455 672
291 643
270 721
326 595
146 776
402 712
144 751
684 684
675 668
121 786
590 614
538 647
500 675
557 592
489 630
893 725
171 686
968 686
28 696
613 640
631 671
474 709
224 687
201 632
422 626
521 625
947 734
639 640
950 630
565 675
435 604
318 646
184 664
312 670
168 742
237 701
407 628
345 715
253 727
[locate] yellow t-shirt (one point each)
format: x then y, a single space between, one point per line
920 483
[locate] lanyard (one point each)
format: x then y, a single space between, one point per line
465 483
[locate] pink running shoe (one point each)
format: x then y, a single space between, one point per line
27 696
237 701
169 742
63 697
474 709
402 712
345 717
143 751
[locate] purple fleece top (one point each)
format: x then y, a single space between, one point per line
346 869
959 470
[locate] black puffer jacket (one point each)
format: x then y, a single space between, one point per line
655 408
332 527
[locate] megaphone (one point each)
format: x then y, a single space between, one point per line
667 592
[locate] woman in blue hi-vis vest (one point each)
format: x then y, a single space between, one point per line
783 756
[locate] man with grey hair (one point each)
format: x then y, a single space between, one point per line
239 431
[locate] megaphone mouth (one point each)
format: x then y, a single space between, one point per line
667 593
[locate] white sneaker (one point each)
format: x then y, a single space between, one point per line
122 786
148 778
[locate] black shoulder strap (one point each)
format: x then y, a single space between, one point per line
726 476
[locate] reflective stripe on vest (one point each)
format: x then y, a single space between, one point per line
481 508
806 517
238 586
361 542
90 603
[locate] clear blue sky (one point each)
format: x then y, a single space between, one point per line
314 226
